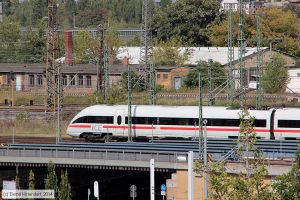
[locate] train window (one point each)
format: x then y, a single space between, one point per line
223 122
95 119
142 120
105 119
289 123
260 123
119 120
178 121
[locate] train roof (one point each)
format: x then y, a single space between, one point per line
169 111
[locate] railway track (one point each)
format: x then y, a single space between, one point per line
4 140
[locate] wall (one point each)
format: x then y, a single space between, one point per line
177 186
166 78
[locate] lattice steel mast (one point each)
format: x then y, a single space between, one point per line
106 71
147 69
52 73
259 63
230 85
241 41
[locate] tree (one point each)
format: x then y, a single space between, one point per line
10 36
249 184
275 76
218 74
65 187
169 53
40 10
51 180
31 181
35 45
276 23
92 17
287 186
82 44
186 20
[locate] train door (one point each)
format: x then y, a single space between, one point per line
120 123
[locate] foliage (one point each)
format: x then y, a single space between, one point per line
217 70
31 181
287 186
136 84
134 42
35 48
88 13
116 95
186 20
65 187
93 17
276 23
169 53
249 183
275 76
87 48
23 116
9 38
51 180
82 43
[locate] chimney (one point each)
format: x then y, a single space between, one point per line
68 48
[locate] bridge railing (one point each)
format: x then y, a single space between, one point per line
95 154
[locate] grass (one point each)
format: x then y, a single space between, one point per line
33 128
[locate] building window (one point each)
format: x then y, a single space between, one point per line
80 81
40 80
298 74
165 76
31 80
88 81
64 80
158 76
72 80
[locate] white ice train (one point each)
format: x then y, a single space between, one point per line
149 121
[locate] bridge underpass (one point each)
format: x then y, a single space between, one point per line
120 165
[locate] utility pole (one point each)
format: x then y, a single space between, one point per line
147 68
59 103
100 60
242 47
152 180
200 119
190 175
205 162
126 62
230 85
259 63
210 92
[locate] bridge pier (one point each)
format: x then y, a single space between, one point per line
177 186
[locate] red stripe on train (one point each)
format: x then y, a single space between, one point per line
134 127
287 131
79 126
208 129
168 128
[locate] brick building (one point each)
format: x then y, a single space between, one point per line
75 79
171 77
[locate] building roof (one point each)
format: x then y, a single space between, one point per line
217 54
78 69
